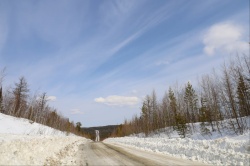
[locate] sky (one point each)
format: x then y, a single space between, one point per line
96 60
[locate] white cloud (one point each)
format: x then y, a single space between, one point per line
224 37
51 98
76 111
117 100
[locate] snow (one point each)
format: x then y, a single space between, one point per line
226 148
23 142
14 125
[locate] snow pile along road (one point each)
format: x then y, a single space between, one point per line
39 150
14 125
224 149
25 143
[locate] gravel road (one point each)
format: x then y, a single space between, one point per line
99 153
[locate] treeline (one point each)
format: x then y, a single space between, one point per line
217 96
104 131
18 102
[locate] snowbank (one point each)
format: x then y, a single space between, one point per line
14 125
39 150
25 143
217 149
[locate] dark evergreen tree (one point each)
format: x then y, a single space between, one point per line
1 101
78 126
20 96
155 111
145 117
181 126
191 103
243 96
173 106
204 117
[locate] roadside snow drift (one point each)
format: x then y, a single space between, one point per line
14 125
39 150
224 149
25 143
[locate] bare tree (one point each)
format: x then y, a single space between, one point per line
230 99
2 75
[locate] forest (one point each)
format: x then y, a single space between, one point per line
17 101
223 94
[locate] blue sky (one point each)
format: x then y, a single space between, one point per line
97 59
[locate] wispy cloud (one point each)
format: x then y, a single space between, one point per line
79 50
51 98
117 100
58 28
76 111
224 37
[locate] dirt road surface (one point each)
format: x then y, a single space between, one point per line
99 153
